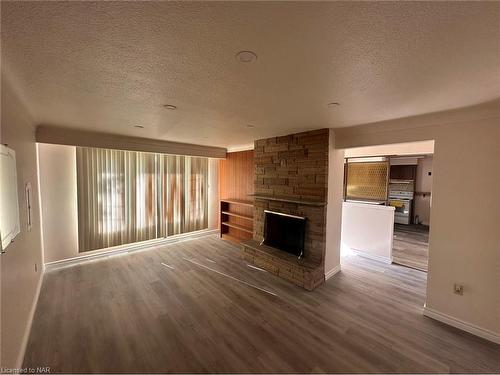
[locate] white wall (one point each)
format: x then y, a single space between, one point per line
422 205
57 168
465 215
334 207
407 148
20 282
213 193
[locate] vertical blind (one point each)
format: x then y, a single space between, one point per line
128 196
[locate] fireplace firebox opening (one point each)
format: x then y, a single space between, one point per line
284 232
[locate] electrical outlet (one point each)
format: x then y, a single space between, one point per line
458 289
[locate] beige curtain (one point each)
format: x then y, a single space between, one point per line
126 196
185 193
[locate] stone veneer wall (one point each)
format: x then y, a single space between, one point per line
294 167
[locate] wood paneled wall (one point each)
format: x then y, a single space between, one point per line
236 175
236 181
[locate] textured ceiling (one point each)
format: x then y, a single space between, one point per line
110 65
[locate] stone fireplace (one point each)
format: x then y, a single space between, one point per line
291 174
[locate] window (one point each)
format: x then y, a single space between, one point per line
126 196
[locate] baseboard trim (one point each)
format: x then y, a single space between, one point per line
27 329
332 272
378 258
463 325
129 248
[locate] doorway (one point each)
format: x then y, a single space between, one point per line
410 187
397 229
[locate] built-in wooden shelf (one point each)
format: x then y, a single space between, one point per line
237 215
238 202
228 213
236 226
305 202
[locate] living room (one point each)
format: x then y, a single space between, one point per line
175 178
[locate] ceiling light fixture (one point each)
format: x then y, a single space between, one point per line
333 105
246 56
170 106
139 126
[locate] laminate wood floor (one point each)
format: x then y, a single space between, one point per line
411 246
204 310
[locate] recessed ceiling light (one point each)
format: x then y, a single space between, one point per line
333 105
139 126
170 106
246 56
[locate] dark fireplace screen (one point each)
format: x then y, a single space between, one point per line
284 232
